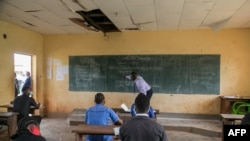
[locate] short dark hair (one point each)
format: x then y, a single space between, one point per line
25 89
24 123
99 97
142 103
133 73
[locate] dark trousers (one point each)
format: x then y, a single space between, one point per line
149 93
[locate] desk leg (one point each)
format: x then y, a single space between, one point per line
225 106
222 132
78 137
12 125
9 109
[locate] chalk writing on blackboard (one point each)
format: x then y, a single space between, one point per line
175 74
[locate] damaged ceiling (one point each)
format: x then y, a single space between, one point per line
83 16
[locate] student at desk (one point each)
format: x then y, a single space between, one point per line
22 104
100 115
28 130
141 128
150 113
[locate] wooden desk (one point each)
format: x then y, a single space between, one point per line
227 102
84 129
11 120
120 110
9 108
229 118
78 121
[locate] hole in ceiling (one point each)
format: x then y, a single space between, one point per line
98 20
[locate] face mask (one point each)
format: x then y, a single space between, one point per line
30 94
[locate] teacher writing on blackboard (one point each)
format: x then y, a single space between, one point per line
140 84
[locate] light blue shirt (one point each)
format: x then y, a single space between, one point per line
151 112
141 85
100 115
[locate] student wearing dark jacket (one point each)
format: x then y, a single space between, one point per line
141 127
22 104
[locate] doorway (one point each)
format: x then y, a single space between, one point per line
22 64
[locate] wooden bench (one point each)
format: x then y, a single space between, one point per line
10 119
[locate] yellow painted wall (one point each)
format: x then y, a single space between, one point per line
18 40
232 45
52 53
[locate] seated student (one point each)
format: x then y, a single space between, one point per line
22 103
246 119
151 112
28 130
100 115
141 127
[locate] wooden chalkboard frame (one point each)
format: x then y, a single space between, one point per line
170 74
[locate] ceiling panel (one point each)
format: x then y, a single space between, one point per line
168 6
25 5
168 21
142 14
52 16
16 13
223 9
141 11
148 26
138 2
58 8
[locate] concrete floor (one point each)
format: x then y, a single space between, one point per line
58 129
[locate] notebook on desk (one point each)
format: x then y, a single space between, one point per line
125 108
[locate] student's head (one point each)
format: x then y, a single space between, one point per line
26 89
99 98
27 73
133 75
141 103
28 124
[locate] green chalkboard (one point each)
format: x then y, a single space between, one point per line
174 74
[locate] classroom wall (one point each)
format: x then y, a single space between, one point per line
19 40
233 46
52 53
